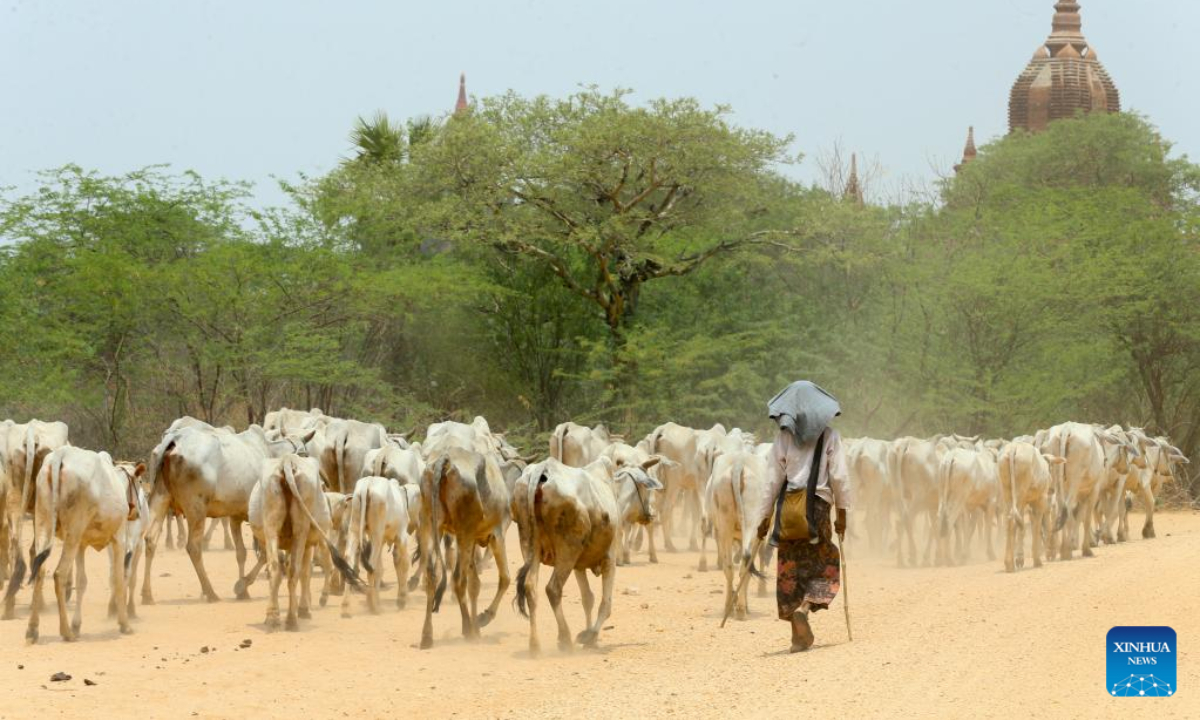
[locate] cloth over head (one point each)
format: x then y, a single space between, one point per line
804 410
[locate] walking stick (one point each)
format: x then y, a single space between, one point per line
845 583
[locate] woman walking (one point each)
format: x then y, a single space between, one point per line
806 481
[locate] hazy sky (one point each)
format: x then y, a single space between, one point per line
249 89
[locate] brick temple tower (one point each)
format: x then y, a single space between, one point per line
462 105
1063 77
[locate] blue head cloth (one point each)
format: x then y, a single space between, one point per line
804 410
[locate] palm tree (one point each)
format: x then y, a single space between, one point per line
378 140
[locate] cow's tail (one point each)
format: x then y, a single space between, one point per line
556 442
55 459
289 474
339 460
1014 511
433 514
1064 444
530 548
364 541
377 466
748 530
946 470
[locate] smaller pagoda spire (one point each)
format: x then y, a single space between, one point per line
462 105
1067 28
853 187
969 152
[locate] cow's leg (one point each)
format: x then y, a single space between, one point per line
5 555
295 560
764 561
239 545
376 575
274 576
1086 525
306 582
462 566
131 579
531 600
667 516
260 561
35 608
160 507
195 542
624 535
585 595
1148 501
473 583
225 528
650 538
80 588
400 562
428 544
703 566
1122 516
1010 542
692 518
112 580
208 533
120 588
727 569
62 574
608 575
554 591
1039 512
496 542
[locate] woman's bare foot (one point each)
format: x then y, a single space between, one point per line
802 634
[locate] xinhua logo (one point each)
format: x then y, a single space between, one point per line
1141 662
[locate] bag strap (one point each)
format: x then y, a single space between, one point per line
810 508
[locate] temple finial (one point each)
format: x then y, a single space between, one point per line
969 151
853 187
462 105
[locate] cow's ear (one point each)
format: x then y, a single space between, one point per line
140 470
654 460
1055 460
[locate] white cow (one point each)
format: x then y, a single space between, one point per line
1157 467
967 492
383 512
288 513
867 461
287 421
913 462
464 496
568 519
1025 484
346 445
636 502
27 446
83 499
576 445
207 472
734 492
682 478
1077 484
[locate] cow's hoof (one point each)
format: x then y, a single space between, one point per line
739 614
292 625
535 650
588 638
272 622
1148 533
324 599
1037 563
703 565
426 642
126 630
112 610
1087 552
31 636
239 589
654 559
76 626
1010 567
565 645
305 614
484 618
69 637
147 599
212 598
401 603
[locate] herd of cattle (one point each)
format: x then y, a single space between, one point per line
338 492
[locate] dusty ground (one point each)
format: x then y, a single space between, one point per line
957 642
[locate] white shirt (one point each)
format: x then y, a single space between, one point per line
794 463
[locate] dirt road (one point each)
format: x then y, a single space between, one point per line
957 642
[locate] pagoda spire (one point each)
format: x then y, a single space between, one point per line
853 187
462 105
969 152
